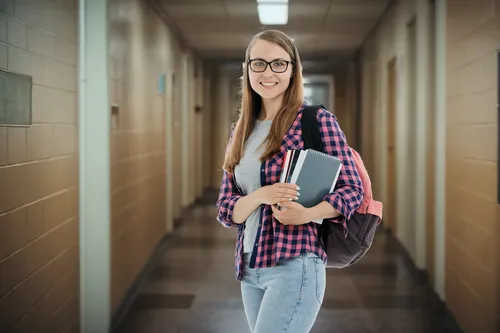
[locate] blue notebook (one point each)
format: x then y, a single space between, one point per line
316 174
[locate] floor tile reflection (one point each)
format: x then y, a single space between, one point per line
163 301
192 288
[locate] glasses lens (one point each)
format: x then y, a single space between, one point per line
258 65
279 66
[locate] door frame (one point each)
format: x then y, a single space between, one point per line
185 125
94 183
440 152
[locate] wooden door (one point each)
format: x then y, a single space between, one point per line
176 119
169 138
431 128
390 219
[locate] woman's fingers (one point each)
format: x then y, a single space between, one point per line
289 186
285 192
285 204
284 199
290 193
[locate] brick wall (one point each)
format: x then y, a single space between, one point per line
141 48
472 262
38 171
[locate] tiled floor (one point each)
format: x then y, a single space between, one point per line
193 289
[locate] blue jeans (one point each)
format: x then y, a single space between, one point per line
284 298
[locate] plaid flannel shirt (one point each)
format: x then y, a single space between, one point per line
274 240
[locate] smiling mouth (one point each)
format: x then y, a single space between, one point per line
269 84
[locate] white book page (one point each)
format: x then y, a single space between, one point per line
298 166
335 179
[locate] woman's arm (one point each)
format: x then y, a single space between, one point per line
348 194
324 210
246 206
228 198
233 208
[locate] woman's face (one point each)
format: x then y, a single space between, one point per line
267 83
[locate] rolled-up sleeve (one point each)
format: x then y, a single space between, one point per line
228 196
348 193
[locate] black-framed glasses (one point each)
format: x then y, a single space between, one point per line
260 65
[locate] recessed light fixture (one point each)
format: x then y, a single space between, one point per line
273 12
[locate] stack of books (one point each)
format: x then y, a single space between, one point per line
315 173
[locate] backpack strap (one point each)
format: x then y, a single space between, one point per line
312 140
310 128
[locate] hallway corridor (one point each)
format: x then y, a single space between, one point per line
192 288
115 118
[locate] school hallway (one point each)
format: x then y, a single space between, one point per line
114 121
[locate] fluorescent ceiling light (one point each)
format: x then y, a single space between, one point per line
272 1
272 13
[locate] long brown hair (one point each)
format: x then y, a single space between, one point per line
251 103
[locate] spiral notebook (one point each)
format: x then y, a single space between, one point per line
315 172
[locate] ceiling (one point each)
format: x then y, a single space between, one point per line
221 29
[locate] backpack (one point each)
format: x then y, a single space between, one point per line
344 247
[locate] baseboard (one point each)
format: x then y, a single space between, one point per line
447 320
138 283
420 275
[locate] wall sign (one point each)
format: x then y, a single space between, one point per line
15 99
161 83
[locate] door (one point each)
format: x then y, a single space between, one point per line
409 230
317 93
176 151
431 130
390 220
169 150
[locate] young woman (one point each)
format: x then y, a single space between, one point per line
279 260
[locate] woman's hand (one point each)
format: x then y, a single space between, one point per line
292 213
278 193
